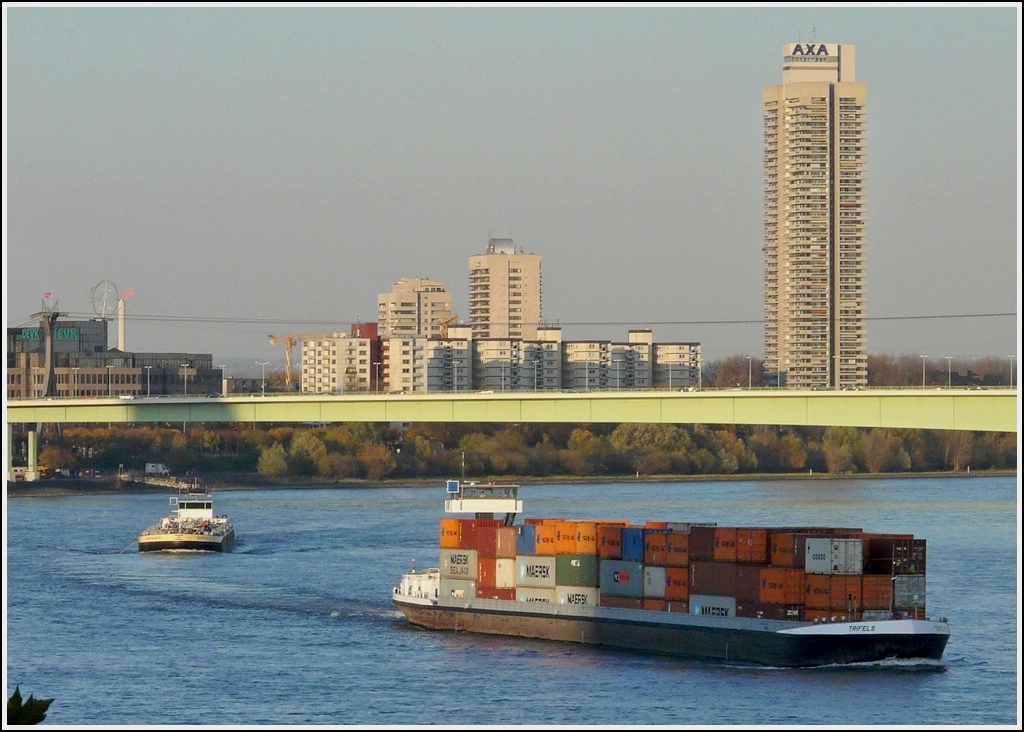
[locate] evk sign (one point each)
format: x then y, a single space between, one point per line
809 49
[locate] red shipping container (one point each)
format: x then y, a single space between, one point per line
634 603
752 545
655 547
609 541
496 593
725 544
677 583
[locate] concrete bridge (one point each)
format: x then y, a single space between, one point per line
979 410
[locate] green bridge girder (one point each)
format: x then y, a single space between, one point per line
985 410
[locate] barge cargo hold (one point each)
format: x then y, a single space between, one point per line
668 588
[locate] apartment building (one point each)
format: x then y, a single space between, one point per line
504 292
415 306
814 211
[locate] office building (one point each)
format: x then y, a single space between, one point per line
814 209
504 292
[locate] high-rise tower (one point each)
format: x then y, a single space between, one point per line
814 205
504 292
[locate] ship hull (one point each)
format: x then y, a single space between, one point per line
734 640
171 541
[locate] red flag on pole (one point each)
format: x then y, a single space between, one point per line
47 295
130 293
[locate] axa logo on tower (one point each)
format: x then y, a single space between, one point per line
809 49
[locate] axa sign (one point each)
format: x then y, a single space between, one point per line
809 49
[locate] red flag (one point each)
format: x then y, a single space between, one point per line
47 295
130 293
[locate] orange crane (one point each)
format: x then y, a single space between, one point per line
445 323
289 342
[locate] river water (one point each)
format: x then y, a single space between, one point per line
295 626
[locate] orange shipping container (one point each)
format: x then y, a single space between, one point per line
752 545
818 592
565 537
846 592
609 541
654 604
586 537
725 544
655 547
545 540
677 549
450 533
487 573
677 583
876 592
505 545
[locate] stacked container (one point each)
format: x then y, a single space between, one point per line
783 573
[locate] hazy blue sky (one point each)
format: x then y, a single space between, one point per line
266 170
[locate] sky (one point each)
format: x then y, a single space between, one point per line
241 171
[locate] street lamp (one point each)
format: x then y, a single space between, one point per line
376 365
670 377
149 370
750 372
184 370
263 376
1011 357
949 371
109 392
74 370
924 361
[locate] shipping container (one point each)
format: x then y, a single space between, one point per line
725 544
653 603
496 593
677 549
717 605
818 592
677 583
833 555
846 593
702 543
712 578
752 545
496 573
655 547
459 564
631 603
586 537
771 585
677 606
909 591
876 592
535 594
633 543
467 533
609 541
619 577
526 539
578 570
457 588
450 533
565 537
654 582
545 539
535 571
894 554
580 596
786 549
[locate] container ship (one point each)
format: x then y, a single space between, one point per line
788 596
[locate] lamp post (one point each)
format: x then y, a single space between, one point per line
924 361
617 362
263 377
670 377
535 360
184 371
750 372
74 371
149 370
1011 357
376 365
109 391
949 371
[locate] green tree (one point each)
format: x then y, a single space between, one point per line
31 711
273 461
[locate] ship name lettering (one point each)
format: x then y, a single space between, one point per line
863 628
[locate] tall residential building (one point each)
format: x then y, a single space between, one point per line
414 307
504 292
814 206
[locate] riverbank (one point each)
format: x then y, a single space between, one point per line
254 481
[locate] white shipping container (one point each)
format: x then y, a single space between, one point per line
572 595
654 582
535 571
505 573
459 564
909 591
535 594
818 555
847 556
715 605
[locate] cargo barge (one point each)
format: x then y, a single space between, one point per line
776 596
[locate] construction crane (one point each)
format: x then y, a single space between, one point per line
289 342
445 323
